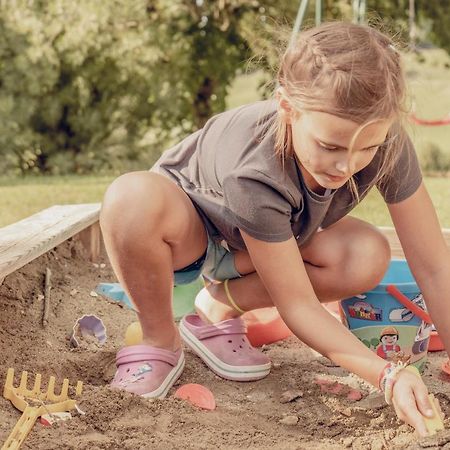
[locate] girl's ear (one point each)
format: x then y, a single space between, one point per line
285 109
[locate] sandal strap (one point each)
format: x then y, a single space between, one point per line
143 353
231 326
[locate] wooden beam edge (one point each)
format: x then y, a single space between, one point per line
75 229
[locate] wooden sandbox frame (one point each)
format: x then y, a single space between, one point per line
26 240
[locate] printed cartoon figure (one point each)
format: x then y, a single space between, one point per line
404 314
388 347
422 337
419 301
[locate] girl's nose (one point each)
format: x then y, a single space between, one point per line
345 165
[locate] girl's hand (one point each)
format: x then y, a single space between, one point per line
411 402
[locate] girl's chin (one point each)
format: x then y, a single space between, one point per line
330 182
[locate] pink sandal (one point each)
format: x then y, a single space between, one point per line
224 348
147 371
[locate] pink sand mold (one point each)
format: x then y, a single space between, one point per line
88 325
339 389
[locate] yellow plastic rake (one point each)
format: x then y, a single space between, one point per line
34 403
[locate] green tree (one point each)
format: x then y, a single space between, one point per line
89 85
99 85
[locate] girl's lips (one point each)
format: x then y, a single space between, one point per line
334 178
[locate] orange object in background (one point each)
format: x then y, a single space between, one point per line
436 344
265 326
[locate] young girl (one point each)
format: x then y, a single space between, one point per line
257 201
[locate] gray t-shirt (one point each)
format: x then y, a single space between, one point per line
230 172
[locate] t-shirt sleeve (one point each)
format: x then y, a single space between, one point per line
255 205
405 177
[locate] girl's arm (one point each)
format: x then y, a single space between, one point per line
282 271
428 256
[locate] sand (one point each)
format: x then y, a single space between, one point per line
253 415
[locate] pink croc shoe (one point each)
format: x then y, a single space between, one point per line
147 371
224 348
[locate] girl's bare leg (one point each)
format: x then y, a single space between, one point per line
348 258
151 228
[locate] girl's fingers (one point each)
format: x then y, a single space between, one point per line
407 412
422 400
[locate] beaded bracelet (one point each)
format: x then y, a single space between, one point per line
388 378
382 377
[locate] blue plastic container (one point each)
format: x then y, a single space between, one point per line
384 325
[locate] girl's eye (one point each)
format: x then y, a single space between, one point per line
372 149
327 148
334 149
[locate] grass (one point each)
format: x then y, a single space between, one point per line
20 197
374 210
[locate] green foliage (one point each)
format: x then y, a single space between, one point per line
91 86
433 159
75 85
96 86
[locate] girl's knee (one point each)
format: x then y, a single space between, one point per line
369 258
130 200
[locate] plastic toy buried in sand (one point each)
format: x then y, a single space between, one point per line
133 334
34 404
197 395
183 296
86 327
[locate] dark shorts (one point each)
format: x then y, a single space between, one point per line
217 263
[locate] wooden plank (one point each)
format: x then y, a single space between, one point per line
396 248
28 239
91 239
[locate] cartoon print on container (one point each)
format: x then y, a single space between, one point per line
404 314
419 301
422 338
389 349
365 311
400 315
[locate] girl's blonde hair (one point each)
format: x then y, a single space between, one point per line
350 71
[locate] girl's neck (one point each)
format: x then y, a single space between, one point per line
309 181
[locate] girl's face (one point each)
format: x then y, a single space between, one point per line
321 144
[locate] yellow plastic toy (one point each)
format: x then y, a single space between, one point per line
133 335
34 404
434 423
